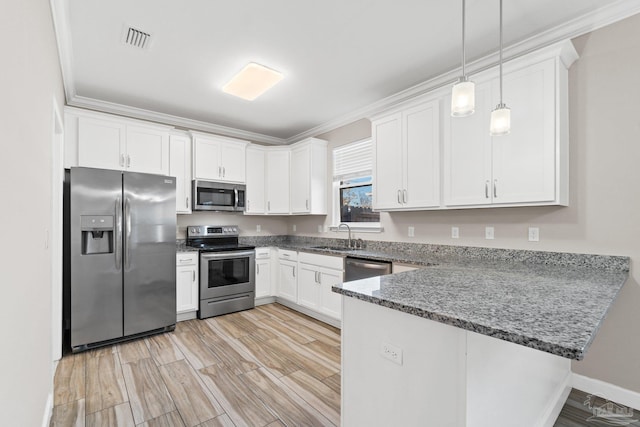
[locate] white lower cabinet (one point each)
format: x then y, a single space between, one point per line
186 285
263 272
318 273
287 275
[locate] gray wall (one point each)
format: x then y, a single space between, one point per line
604 212
29 81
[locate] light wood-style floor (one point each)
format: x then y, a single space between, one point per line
269 366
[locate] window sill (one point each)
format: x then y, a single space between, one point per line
359 228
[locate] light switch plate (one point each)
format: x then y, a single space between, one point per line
489 233
320 228
534 234
258 228
294 228
412 232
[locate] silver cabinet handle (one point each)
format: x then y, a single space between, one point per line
127 242
187 202
269 206
404 196
294 271
257 268
495 188
194 275
486 189
185 260
118 242
128 161
307 203
248 205
219 171
399 197
122 160
286 255
224 171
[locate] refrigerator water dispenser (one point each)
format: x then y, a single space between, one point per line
97 234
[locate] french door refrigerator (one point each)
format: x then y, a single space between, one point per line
120 248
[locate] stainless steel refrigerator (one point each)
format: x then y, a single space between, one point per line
120 246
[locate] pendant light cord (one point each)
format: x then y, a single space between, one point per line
464 11
501 53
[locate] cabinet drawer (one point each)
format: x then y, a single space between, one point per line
327 261
263 253
288 255
186 258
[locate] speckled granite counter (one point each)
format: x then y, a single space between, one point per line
553 302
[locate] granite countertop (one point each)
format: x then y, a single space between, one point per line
556 309
549 301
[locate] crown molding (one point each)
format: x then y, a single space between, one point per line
140 113
60 16
591 21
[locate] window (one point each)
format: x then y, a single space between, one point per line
352 184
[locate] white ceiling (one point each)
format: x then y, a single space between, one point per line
338 56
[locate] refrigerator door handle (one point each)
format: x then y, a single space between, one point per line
118 237
127 241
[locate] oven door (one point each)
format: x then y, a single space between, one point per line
226 273
214 196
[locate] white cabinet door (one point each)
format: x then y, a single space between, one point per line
263 278
309 287
421 152
206 158
277 180
330 302
232 161
101 144
255 181
287 280
186 281
467 153
300 179
180 168
147 150
387 178
524 161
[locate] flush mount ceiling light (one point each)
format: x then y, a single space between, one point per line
463 93
252 81
501 115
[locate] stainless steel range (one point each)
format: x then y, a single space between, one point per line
227 269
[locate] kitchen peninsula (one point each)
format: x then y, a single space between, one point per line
472 342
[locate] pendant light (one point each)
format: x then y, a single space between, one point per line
501 115
463 97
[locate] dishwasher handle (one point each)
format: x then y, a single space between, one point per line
368 265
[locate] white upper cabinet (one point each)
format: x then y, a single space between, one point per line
180 168
147 150
524 168
407 158
103 141
219 158
277 180
255 180
309 177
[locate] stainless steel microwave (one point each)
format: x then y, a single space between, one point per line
218 196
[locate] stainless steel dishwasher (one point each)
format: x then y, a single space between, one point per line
358 268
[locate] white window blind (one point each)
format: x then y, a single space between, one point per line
353 159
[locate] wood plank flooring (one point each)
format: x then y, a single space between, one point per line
269 366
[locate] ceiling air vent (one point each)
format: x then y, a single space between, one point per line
136 38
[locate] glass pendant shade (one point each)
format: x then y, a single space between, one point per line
463 98
500 121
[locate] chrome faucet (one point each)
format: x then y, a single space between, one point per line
348 229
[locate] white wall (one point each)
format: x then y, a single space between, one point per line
604 212
29 80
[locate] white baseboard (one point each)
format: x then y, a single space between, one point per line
187 315
311 313
609 391
48 411
265 300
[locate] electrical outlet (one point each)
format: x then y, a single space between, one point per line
258 228
320 228
455 232
489 233
534 234
294 228
412 232
392 353
326 228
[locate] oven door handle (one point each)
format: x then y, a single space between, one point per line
227 254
